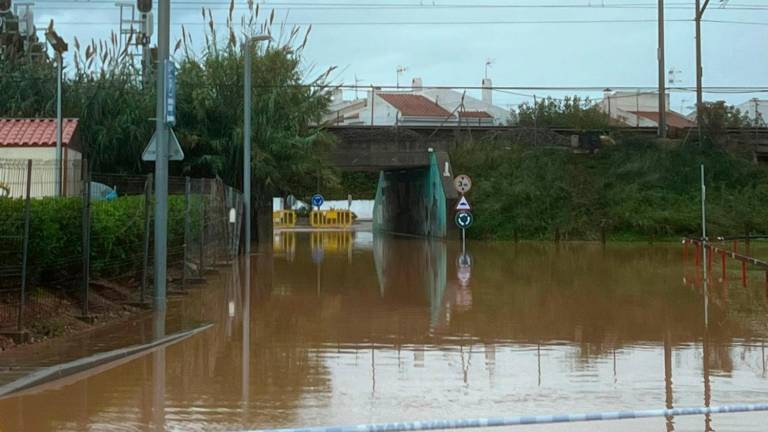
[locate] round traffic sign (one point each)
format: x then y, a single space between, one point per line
462 183
464 219
317 200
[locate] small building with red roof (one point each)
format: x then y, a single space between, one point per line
23 139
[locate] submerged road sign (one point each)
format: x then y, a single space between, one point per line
463 204
174 149
464 219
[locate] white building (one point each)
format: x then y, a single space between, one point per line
418 106
757 111
35 139
640 109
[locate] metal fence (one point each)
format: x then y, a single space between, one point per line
90 251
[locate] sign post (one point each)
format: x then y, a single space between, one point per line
464 217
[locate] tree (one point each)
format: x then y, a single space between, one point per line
717 118
570 112
105 92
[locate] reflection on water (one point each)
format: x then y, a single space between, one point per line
342 327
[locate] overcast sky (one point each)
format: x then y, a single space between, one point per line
532 43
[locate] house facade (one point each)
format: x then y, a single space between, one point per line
418 106
756 110
640 109
35 139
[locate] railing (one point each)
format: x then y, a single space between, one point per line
284 218
331 218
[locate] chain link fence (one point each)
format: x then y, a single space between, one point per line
89 252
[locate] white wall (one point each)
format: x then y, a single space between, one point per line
751 107
13 169
450 100
362 208
632 101
384 114
36 153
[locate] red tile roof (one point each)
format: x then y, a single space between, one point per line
414 105
475 114
17 132
674 119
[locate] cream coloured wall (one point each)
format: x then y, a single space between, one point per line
13 171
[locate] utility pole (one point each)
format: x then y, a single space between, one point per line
662 83
699 69
162 132
60 47
59 120
247 145
145 9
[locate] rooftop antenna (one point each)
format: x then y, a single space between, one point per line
488 64
400 70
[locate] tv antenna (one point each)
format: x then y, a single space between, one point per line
400 70
488 65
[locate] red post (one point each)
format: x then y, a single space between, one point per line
698 254
709 259
744 274
722 262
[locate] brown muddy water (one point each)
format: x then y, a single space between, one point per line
344 328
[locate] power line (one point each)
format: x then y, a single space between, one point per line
358 5
414 23
504 89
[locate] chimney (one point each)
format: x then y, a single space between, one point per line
487 91
416 84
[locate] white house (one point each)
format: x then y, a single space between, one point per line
35 139
418 106
640 109
757 111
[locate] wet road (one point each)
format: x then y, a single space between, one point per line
344 328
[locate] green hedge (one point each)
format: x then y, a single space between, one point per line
55 246
637 189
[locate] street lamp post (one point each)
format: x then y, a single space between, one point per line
60 47
247 88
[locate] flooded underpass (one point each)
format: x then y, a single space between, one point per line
339 328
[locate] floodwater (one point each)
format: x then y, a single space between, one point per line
345 328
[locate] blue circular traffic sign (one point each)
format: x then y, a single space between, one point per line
317 200
464 219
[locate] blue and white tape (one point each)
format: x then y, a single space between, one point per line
527 420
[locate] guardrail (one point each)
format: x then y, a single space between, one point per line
472 423
331 218
284 218
713 250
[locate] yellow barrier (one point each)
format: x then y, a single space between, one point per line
331 218
284 218
331 241
284 242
